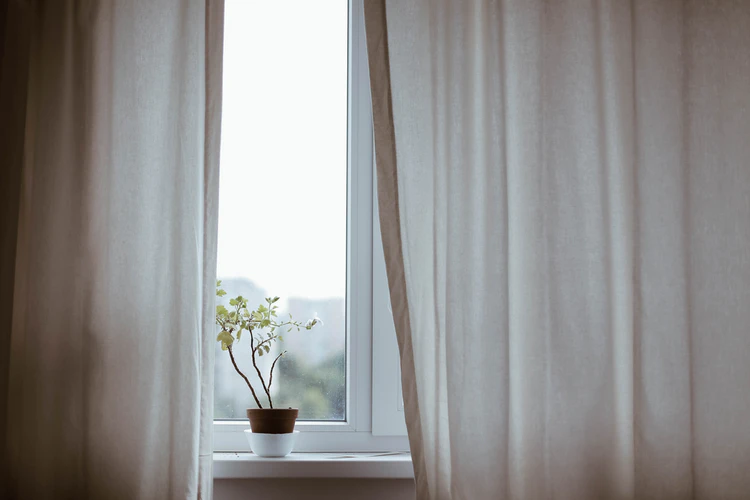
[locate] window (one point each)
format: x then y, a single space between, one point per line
282 212
296 220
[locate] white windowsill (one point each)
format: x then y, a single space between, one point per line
395 465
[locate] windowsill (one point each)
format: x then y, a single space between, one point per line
395 465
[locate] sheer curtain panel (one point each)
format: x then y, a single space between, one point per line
565 204
110 121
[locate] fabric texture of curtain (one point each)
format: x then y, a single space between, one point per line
111 123
564 193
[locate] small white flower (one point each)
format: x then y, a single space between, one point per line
312 322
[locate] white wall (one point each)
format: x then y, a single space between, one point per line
314 489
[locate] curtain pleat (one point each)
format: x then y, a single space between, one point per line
563 192
15 41
387 192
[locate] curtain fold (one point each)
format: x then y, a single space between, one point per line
564 196
108 307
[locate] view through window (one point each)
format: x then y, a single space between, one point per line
282 210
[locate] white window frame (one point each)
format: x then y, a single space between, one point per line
374 411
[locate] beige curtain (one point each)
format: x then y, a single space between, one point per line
110 120
565 204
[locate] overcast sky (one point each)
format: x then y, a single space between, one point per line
282 211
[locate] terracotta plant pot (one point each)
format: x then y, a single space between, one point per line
272 420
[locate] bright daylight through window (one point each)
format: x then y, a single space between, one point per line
283 197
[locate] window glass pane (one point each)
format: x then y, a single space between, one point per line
282 212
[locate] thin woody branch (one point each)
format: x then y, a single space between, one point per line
231 355
270 378
255 365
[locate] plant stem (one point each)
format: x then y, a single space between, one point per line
231 355
267 341
270 378
255 365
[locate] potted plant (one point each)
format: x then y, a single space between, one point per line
271 429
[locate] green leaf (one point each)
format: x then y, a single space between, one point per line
264 323
221 310
262 308
220 293
281 338
225 338
218 283
239 334
233 302
268 349
224 346
260 352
